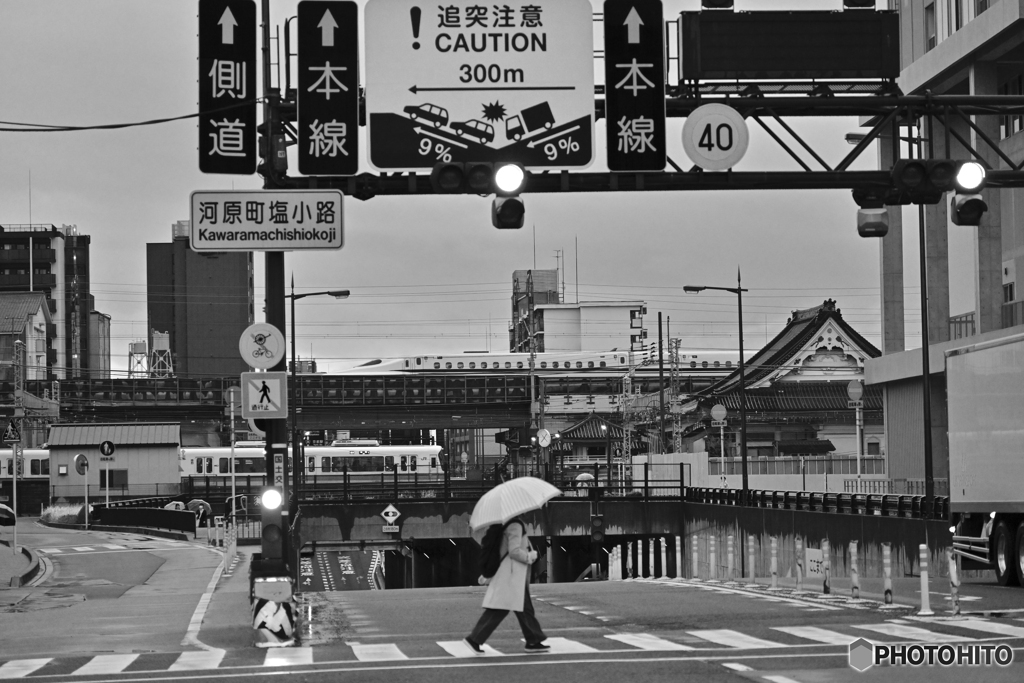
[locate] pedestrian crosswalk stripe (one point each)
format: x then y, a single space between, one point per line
197 659
566 646
458 648
736 666
732 638
21 667
775 678
288 656
113 546
820 635
645 641
378 653
105 664
912 633
51 551
988 627
83 549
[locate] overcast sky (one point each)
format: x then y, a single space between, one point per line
427 274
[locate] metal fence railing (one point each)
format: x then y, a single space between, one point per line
906 487
843 503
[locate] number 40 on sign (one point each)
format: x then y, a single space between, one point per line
715 137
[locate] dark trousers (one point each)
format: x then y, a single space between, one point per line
527 621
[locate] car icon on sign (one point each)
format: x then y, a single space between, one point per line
484 132
431 113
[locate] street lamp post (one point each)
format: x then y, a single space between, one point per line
738 291
296 455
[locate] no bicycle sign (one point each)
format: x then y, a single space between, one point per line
472 81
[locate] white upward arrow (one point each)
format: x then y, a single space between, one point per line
633 23
227 27
327 26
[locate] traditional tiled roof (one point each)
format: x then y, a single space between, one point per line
794 397
589 429
779 352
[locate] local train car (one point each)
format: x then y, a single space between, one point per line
37 465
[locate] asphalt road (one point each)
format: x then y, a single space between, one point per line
118 607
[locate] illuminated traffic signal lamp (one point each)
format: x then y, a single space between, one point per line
967 205
478 177
272 526
597 529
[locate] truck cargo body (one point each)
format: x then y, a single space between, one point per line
985 396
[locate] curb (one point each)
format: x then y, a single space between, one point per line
173 535
33 566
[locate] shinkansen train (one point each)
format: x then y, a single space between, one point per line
358 459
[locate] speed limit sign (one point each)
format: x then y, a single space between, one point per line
715 137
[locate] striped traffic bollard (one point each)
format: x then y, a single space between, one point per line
926 608
799 564
887 573
712 568
954 583
751 556
613 565
826 567
664 558
695 557
775 564
679 557
854 577
730 557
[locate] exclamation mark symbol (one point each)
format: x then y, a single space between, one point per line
414 15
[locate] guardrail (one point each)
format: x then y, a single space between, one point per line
845 503
973 548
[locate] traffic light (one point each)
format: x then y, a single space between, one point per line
478 177
923 181
597 529
967 206
272 525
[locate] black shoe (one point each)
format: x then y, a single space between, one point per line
473 646
537 647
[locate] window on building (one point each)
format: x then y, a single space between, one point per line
956 14
981 5
874 448
931 39
1008 293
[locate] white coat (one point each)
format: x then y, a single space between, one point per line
507 589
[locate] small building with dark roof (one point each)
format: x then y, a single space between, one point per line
145 461
799 421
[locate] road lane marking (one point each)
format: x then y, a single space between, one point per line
984 626
21 667
458 648
197 659
820 635
561 646
288 656
84 549
730 638
105 664
381 652
646 641
775 678
736 666
912 633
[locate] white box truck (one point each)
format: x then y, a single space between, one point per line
985 394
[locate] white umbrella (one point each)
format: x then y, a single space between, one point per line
509 500
7 517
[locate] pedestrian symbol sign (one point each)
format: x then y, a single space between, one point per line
12 434
265 395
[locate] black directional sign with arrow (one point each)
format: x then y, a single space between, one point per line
328 94
227 86
634 77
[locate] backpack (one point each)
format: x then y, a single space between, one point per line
490 547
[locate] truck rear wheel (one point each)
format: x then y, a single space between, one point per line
1018 554
1005 554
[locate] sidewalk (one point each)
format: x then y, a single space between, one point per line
14 565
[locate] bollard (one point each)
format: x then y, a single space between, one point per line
695 557
854 577
826 567
730 557
954 582
630 574
887 572
712 569
664 558
651 553
679 557
926 608
775 564
799 564
613 565
751 556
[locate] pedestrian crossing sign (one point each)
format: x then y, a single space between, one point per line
265 395
12 434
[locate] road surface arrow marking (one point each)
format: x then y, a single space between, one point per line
327 26
227 27
633 23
